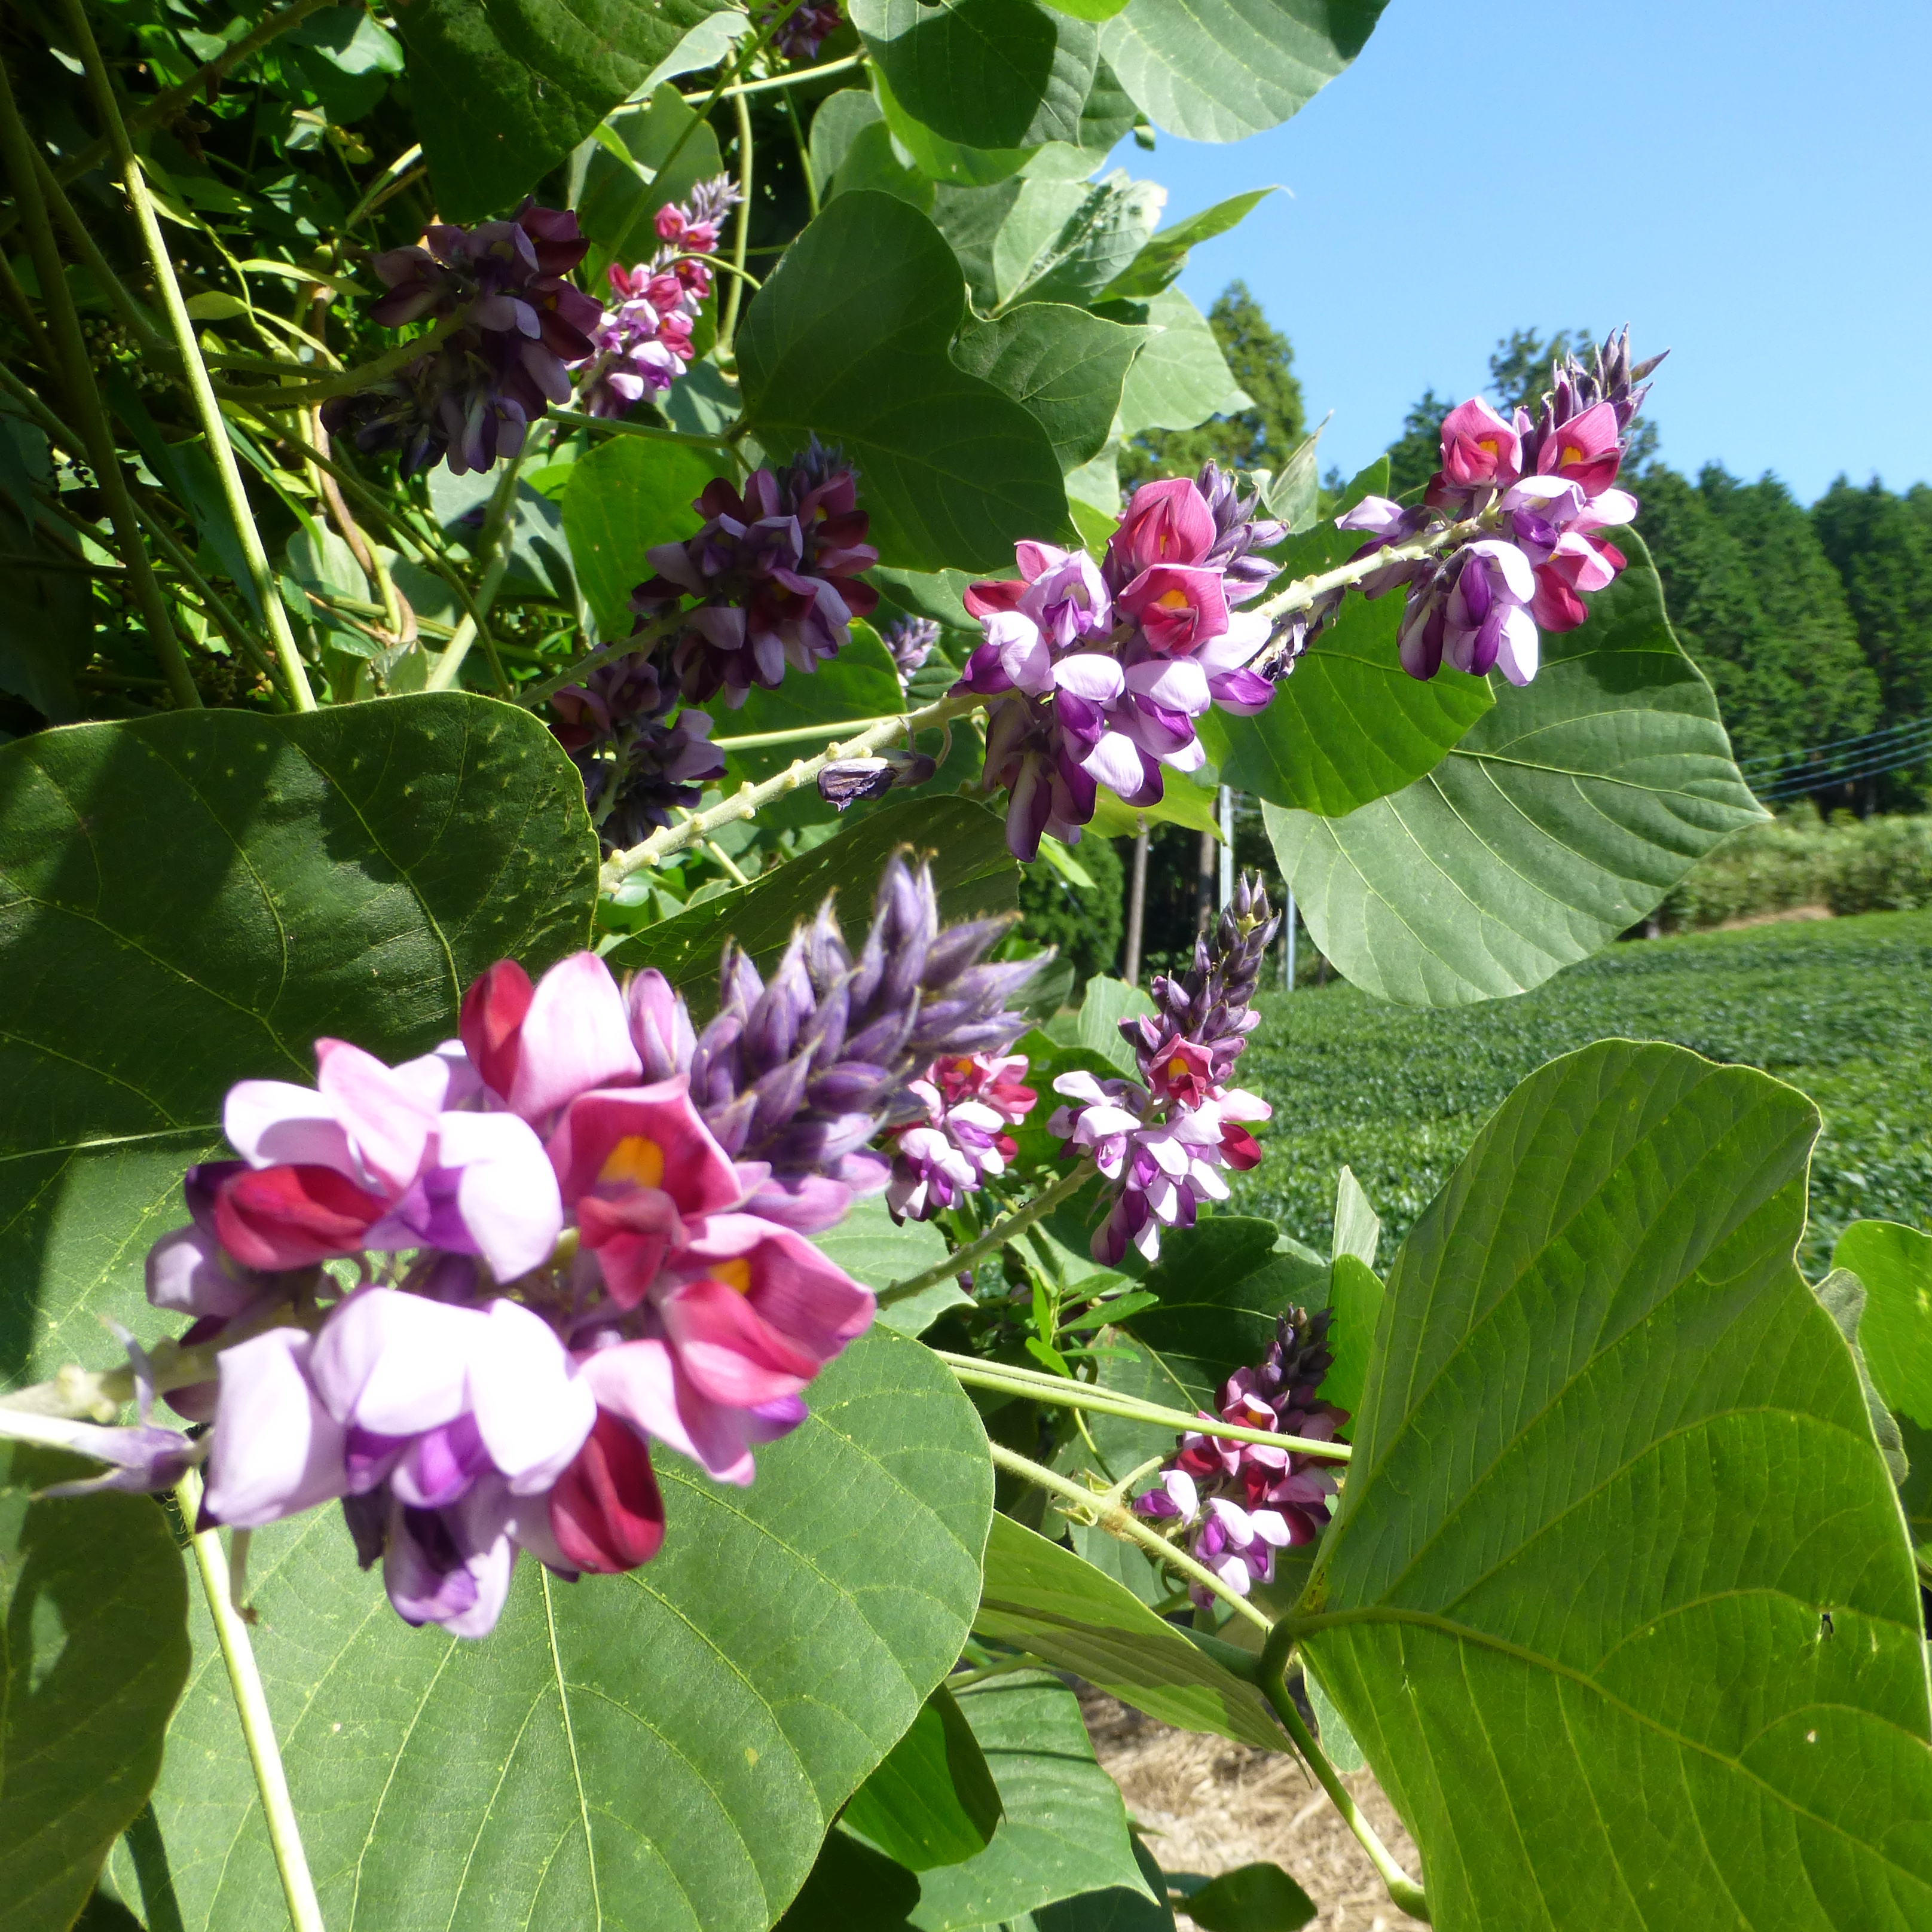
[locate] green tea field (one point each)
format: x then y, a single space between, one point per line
1842 1008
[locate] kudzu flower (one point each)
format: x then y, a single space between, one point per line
643 341
1100 670
800 35
472 398
637 760
969 1099
1239 1502
848 780
1539 490
911 641
1163 1140
776 571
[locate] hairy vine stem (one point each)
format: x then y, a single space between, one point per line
251 1705
995 1238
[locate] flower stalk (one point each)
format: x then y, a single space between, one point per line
995 1238
251 1705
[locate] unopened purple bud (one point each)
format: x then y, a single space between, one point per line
853 778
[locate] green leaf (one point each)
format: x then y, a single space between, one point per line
1181 378
1337 1741
996 73
1355 1295
1605 1646
1842 1296
194 899
1222 70
1097 1028
1163 258
1182 802
872 1249
1064 241
1562 817
973 873
947 162
622 497
852 1889
861 682
1088 9
1347 725
1062 365
1251 1898
932 1801
502 90
1116 1910
1041 1598
1065 1830
658 1752
849 337
1894 1262
1047 1059
871 161
1358 1227
46 627
623 187
94 1607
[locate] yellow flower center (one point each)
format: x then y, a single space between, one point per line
1172 600
636 1160
734 1274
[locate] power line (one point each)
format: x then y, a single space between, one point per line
1909 727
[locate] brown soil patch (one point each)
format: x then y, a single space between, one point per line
1206 1805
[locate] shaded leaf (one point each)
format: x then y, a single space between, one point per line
852 1889
94 1610
1062 365
1842 1296
931 1802
1894 1262
625 496
1097 1027
872 1249
1116 1910
1181 378
1600 1652
947 162
622 188
1563 816
861 682
1064 240
1251 1898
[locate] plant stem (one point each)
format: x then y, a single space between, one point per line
1271 1678
622 426
1122 1523
794 77
1062 1393
112 286
639 639
494 555
799 734
727 322
348 381
84 396
213 430
745 803
804 156
251 1705
390 179
964 1680
995 1238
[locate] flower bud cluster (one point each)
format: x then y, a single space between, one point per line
803 31
1237 1503
637 761
911 641
1539 491
472 398
776 573
1163 1140
465 1295
1099 672
971 1100
643 340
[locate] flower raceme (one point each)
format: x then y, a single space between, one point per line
464 1295
1097 672
970 1100
1541 491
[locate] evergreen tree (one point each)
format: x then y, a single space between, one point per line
1417 455
1262 436
1756 601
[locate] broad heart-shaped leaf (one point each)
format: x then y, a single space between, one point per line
624 497
849 337
1563 816
943 162
1164 257
502 90
1617 1599
1061 365
1064 240
1181 378
194 899
996 73
932 1801
1251 1898
657 1752
972 871
93 1654
1065 1830
1347 725
1894 1262
1222 70
1042 1598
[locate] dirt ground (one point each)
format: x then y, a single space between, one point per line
1206 1805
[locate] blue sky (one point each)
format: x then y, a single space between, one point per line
1747 182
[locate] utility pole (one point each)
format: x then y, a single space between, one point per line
1227 846
1136 908
1288 945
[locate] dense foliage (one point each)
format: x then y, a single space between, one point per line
588 1328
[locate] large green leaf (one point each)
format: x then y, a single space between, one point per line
1062 365
932 1801
193 900
650 1753
1894 1262
1064 240
1563 816
945 163
93 1653
1617 1599
973 873
1347 725
1251 1898
996 73
625 496
862 681
849 337
871 1248
1163 258
1065 1830
1180 378
1222 70
1042 1598
502 90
